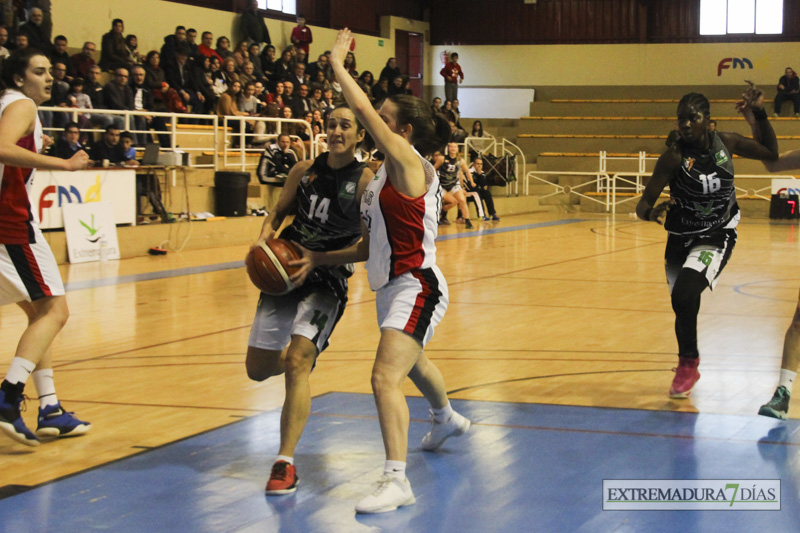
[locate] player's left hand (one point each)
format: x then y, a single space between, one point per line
306 264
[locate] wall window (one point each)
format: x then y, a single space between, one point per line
721 17
286 6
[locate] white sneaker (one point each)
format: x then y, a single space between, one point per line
441 431
390 494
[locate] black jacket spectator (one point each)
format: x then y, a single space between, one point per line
64 150
36 37
118 96
113 50
252 26
115 154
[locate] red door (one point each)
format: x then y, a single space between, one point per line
408 50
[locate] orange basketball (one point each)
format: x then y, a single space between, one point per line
268 266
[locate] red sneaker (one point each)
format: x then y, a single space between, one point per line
283 479
686 375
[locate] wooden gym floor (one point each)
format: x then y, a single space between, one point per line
558 343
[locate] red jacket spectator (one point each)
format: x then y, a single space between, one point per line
82 62
451 72
301 35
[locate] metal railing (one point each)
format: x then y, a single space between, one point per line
234 131
500 148
212 136
608 185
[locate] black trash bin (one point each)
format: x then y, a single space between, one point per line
231 193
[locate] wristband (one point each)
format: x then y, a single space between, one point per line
759 113
648 213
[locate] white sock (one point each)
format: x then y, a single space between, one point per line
19 370
289 460
45 387
395 469
787 379
441 415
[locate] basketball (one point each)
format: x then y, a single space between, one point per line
268 266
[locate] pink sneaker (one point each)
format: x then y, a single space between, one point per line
686 375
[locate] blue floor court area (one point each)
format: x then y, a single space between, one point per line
521 468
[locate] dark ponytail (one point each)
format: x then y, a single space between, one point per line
15 65
430 132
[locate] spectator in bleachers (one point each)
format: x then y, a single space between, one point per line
20 41
300 56
483 140
170 47
457 113
276 161
252 26
224 48
180 79
47 18
60 91
481 182
268 65
350 62
255 59
301 104
108 148
712 125
283 67
316 99
390 70
4 51
396 86
321 64
247 73
326 104
132 45
788 89
37 36
203 81
277 96
80 100
113 50
288 93
126 141
301 35
380 91
143 101
260 92
298 75
95 92
156 80
60 54
117 94
81 63
366 81
447 111
240 54
320 81
68 143
191 42
436 105
453 75
229 73
457 135
247 102
205 46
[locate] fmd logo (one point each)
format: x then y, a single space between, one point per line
737 62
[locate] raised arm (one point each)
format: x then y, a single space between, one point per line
646 209
406 171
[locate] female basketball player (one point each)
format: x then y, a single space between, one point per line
778 406
399 210
290 331
29 274
450 172
701 216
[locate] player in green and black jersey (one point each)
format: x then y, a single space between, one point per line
700 216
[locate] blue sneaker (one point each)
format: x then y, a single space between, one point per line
495 218
56 422
486 219
11 422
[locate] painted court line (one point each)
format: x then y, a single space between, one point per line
202 269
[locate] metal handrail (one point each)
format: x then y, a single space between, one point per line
239 132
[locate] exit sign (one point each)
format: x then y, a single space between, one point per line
380 42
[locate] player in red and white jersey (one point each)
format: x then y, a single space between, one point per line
402 229
400 211
29 273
